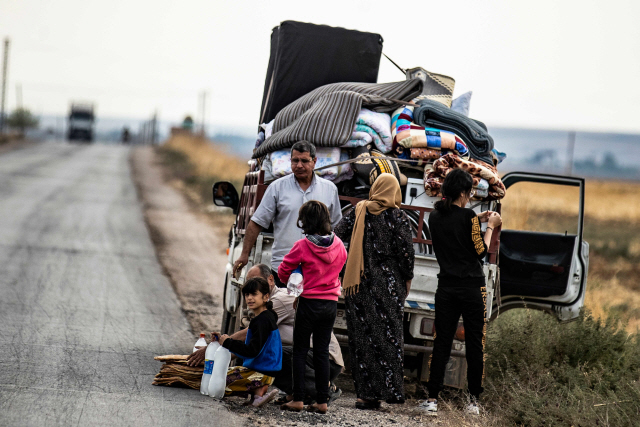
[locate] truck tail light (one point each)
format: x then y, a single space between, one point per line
460 332
427 327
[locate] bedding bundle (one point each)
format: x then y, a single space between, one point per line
371 124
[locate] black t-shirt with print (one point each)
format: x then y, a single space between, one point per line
459 247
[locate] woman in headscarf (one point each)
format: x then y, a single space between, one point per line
376 283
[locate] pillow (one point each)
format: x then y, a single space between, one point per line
462 103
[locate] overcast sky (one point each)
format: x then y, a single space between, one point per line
543 64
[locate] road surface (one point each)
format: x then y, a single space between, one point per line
84 305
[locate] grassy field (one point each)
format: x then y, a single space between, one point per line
538 371
195 164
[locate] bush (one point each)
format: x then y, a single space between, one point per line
541 372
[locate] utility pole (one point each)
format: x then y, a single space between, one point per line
19 96
153 127
203 97
570 148
5 64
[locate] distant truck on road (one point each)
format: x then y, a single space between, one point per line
81 120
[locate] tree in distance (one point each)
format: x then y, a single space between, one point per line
22 119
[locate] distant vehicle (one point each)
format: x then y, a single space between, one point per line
81 120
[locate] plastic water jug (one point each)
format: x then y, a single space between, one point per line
295 283
218 382
201 343
208 366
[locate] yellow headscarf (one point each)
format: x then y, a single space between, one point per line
385 193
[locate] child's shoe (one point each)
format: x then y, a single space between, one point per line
430 407
259 401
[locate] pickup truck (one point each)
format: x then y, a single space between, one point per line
524 268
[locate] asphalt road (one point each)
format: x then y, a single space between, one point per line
84 305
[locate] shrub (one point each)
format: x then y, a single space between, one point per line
541 372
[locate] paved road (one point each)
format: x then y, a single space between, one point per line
84 305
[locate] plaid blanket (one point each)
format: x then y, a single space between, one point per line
434 176
326 116
409 135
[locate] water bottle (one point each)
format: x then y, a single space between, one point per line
295 283
208 366
218 382
201 343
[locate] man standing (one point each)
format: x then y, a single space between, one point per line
281 203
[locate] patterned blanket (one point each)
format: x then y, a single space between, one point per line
371 127
409 135
326 115
434 176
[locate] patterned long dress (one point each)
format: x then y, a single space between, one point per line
375 314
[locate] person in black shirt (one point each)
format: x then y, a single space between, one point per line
460 250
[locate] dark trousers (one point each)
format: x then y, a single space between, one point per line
284 379
450 304
313 316
279 284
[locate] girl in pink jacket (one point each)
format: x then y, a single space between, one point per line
321 254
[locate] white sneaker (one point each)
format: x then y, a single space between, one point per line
430 407
473 409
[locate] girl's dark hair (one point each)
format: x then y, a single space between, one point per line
314 218
456 182
255 285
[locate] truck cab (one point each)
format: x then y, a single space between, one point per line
80 122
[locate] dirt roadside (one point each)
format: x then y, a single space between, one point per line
192 250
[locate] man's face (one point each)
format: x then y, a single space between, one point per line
302 164
255 272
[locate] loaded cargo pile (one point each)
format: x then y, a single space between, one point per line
411 128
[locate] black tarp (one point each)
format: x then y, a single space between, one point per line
307 56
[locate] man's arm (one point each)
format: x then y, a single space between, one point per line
250 237
262 217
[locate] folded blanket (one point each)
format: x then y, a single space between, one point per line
371 127
326 116
425 154
474 133
409 135
434 176
279 164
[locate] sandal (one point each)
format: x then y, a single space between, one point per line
315 409
286 407
259 401
282 400
368 404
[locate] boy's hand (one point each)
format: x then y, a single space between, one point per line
196 358
222 338
295 303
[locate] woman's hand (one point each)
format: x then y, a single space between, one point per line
408 288
484 216
196 358
495 220
295 303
